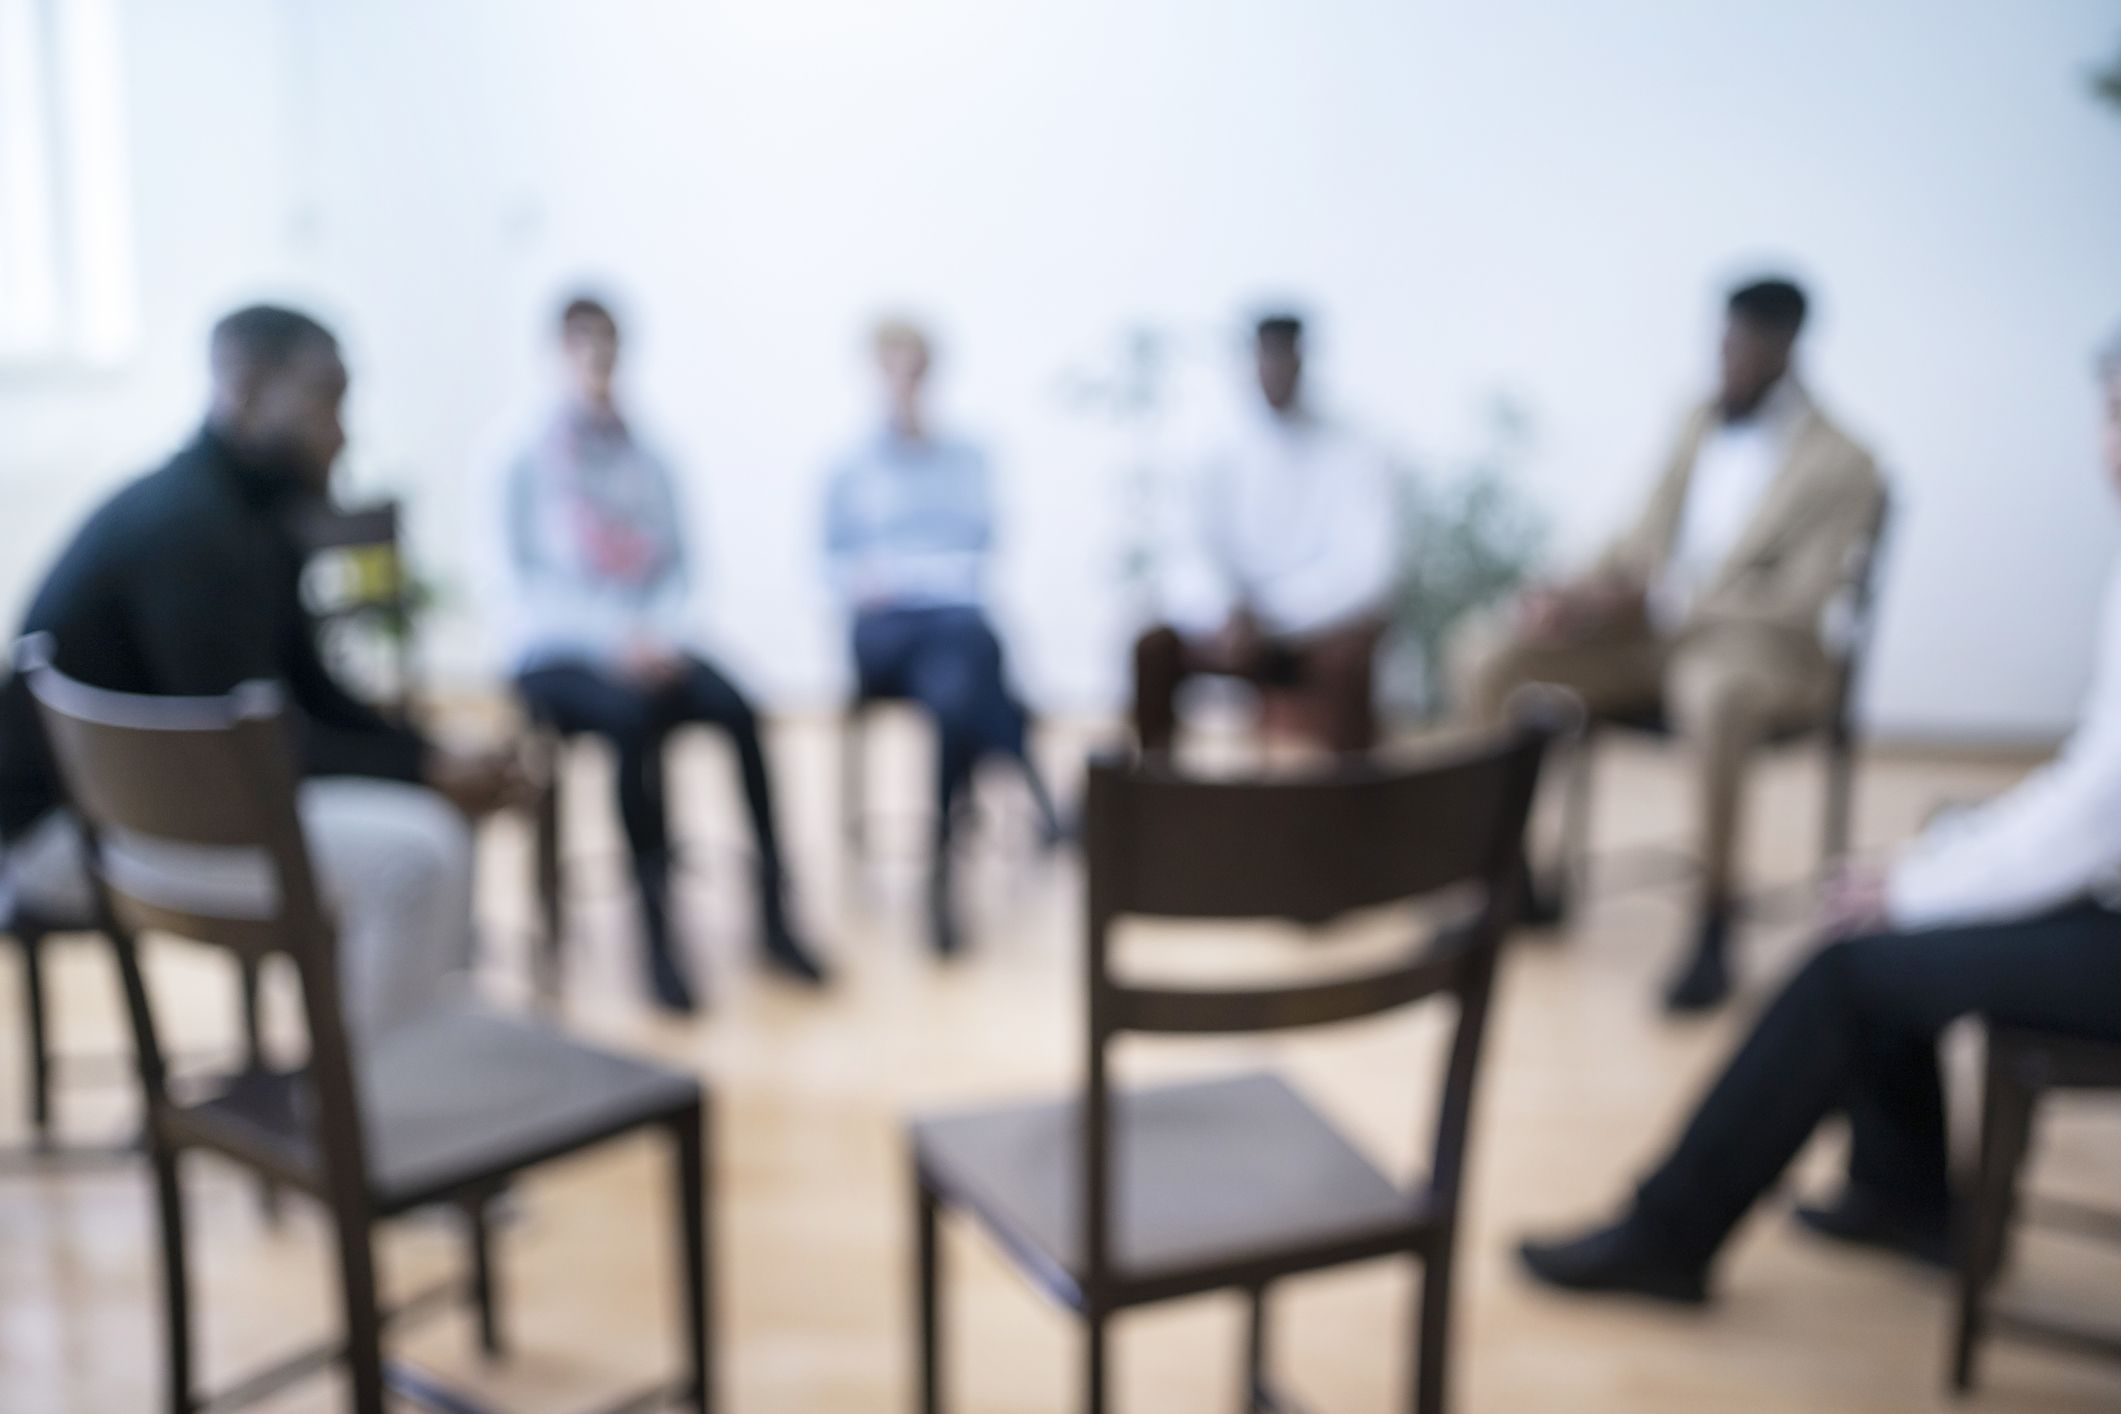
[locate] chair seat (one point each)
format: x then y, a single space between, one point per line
451 1100
1206 1176
19 920
2057 1059
1652 721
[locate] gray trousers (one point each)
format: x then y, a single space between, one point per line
394 863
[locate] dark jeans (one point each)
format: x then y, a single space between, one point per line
1330 672
1855 1031
576 697
949 661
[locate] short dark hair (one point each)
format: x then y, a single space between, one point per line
583 309
1279 327
1774 304
263 337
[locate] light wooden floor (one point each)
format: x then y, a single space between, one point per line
1584 1081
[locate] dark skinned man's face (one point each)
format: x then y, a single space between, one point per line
1753 358
1281 372
294 414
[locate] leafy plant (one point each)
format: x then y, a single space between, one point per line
2107 82
1468 541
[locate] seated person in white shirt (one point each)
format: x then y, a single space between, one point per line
595 584
1711 607
909 530
2007 913
1285 573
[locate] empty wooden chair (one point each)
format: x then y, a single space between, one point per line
1121 1197
444 1109
2024 1065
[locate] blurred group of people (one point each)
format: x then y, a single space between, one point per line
1711 607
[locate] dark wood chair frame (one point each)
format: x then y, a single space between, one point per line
1835 729
323 529
1160 845
33 933
2023 1066
855 811
221 772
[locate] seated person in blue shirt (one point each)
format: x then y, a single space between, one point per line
595 583
909 529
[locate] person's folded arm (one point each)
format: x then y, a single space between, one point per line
2054 839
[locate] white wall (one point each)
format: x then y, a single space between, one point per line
1541 196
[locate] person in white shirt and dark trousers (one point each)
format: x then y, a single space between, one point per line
2007 912
1714 606
594 582
1286 567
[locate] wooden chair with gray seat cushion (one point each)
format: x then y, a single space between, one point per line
1118 1198
444 1109
2024 1066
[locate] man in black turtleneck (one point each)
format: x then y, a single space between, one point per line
186 583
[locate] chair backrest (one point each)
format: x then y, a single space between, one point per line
1162 845
357 582
1866 570
152 777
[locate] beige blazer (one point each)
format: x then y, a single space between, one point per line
1804 542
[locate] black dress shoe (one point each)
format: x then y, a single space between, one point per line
1705 981
1621 1260
786 955
1863 1219
1539 908
667 982
943 932
666 978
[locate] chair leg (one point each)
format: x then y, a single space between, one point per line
1432 1350
176 1287
689 1136
364 1323
253 1005
2006 1133
1840 798
1094 1340
546 844
478 1231
1255 1351
928 1355
1575 852
854 783
40 1052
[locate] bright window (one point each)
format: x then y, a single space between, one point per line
68 289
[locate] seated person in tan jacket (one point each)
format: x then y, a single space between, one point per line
1711 606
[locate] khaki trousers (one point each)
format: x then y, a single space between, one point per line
1724 689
